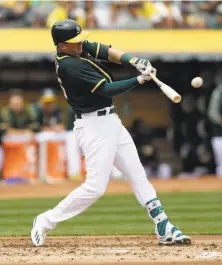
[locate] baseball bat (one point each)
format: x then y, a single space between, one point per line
167 90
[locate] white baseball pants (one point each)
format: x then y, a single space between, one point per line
217 149
104 142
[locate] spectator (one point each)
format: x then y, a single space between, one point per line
170 14
65 10
148 153
140 134
91 21
107 13
130 15
215 21
47 112
16 124
215 116
207 6
13 11
38 13
136 17
201 14
191 16
16 118
103 11
151 162
152 13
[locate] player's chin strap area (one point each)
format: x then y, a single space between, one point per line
156 211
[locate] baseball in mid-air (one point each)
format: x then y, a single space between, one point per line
197 82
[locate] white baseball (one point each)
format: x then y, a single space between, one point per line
197 82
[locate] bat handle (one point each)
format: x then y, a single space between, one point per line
156 80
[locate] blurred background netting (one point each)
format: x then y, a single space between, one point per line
182 39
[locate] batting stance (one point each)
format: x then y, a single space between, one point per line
89 89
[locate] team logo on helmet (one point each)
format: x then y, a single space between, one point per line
78 29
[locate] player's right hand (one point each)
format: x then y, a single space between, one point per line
145 75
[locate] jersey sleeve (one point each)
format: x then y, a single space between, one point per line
86 77
96 49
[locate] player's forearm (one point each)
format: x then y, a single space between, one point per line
114 55
119 57
118 87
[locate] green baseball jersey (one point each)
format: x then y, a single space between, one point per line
44 118
80 77
11 119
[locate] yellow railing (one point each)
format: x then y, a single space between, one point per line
152 41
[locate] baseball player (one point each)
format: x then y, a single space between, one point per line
89 89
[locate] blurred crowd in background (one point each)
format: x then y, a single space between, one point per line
113 14
46 115
197 126
20 117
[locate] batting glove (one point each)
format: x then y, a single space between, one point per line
140 64
145 75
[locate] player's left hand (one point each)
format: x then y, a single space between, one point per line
143 64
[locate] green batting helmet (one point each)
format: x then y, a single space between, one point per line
67 30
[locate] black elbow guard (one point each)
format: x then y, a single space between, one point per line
103 51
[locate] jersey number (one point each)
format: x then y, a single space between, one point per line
60 81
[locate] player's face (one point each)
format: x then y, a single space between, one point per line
48 106
73 48
16 103
78 47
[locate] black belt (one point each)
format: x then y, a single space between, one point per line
99 113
